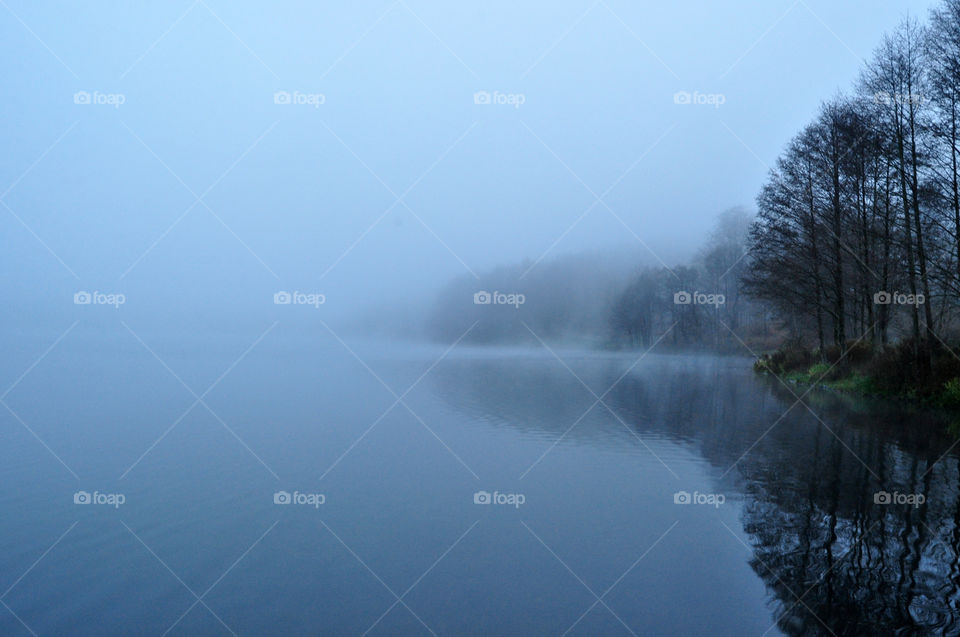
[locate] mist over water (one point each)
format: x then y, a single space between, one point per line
499 421
405 318
199 157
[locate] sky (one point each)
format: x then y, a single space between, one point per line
199 157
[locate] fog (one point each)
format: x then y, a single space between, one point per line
502 318
190 185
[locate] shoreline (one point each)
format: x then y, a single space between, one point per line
876 375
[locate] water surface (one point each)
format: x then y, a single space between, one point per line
199 433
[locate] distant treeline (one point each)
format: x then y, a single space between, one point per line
857 235
561 299
604 302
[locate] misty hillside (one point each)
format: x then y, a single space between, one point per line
608 301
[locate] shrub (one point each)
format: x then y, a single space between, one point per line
859 353
951 393
894 370
785 361
819 371
945 366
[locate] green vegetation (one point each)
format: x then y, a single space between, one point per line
890 372
951 393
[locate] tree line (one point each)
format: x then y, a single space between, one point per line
695 304
607 300
857 234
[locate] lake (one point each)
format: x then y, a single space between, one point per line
289 483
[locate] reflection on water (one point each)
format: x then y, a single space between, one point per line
598 478
836 559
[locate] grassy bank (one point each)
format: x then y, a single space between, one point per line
890 372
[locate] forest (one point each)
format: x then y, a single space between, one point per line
606 300
856 241
850 262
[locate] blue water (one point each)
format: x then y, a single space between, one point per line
398 544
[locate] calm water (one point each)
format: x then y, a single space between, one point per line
788 538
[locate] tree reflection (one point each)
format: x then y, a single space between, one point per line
834 559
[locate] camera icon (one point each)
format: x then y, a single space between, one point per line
481 497
81 497
681 497
482 298
281 97
281 497
82 298
681 97
282 298
882 497
882 298
481 97
682 298
81 97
